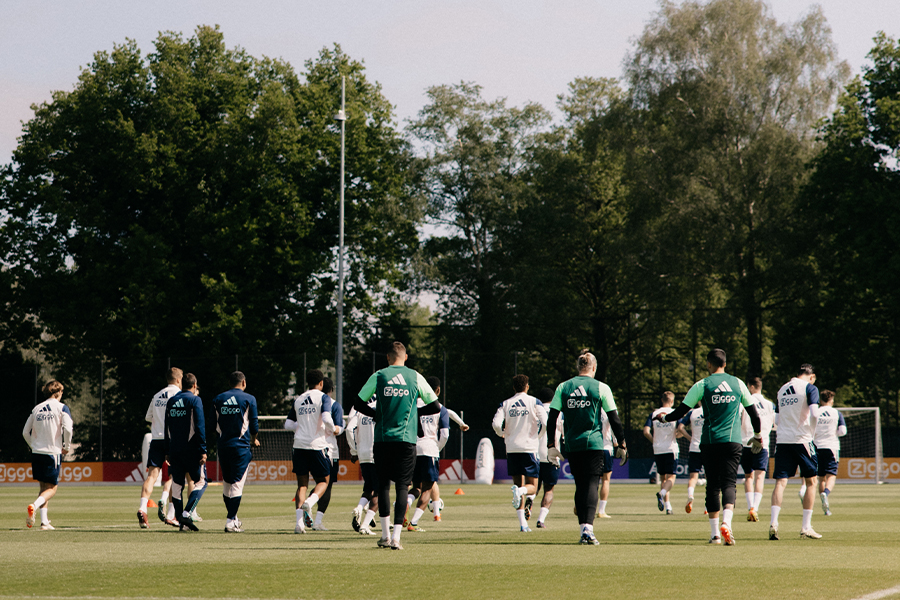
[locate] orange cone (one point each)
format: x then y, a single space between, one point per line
151 504
459 492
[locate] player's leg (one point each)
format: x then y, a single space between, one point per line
48 490
425 487
436 505
827 472
368 502
177 472
695 465
665 468
44 470
239 463
808 464
320 468
549 476
325 500
587 485
383 453
711 464
730 454
403 473
198 476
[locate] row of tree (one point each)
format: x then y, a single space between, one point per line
180 208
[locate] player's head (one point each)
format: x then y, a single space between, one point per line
189 382
520 383
806 369
174 375
826 398
313 378
435 384
396 353
236 379
327 385
586 363
545 395
667 399
716 359
754 384
53 389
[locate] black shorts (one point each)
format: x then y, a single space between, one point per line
695 462
586 463
754 462
523 463
315 462
45 468
186 464
549 475
790 456
607 462
233 463
828 464
156 456
721 464
369 475
665 463
394 461
426 469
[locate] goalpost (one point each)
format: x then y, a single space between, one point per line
275 442
861 448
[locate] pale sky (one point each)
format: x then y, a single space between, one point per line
524 50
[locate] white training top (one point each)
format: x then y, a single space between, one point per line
48 429
361 434
309 417
664 441
519 422
609 440
435 433
829 427
796 415
766 411
156 413
695 418
542 439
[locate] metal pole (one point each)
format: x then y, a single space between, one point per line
445 378
339 363
37 374
373 362
235 364
304 366
101 409
462 468
515 363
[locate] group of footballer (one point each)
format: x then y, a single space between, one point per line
396 429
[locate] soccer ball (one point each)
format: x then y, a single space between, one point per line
431 505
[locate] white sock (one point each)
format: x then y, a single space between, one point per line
714 526
775 511
363 502
757 498
170 513
312 499
44 518
587 527
299 516
319 515
807 519
417 515
531 497
520 512
397 530
164 497
543 515
410 499
229 522
385 527
39 502
601 506
367 520
144 504
523 491
802 489
690 492
749 496
727 514
668 505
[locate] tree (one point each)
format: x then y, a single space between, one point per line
183 205
727 100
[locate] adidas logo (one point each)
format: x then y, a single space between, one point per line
179 403
723 387
790 391
46 409
519 403
306 402
580 392
231 402
398 380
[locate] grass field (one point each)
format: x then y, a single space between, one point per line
475 552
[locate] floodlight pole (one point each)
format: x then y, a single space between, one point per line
339 363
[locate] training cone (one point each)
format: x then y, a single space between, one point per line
151 504
459 492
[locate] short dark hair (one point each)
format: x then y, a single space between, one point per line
827 395
395 350
313 377
235 378
546 395
806 369
666 397
52 387
716 357
433 381
327 385
188 381
755 382
520 382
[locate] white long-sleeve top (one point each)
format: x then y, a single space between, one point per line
436 430
664 441
542 440
309 419
48 429
361 435
156 412
519 422
829 427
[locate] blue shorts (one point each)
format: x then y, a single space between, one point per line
426 469
828 464
790 456
754 462
156 456
370 476
523 463
234 462
314 462
189 464
695 462
665 463
549 475
45 468
607 462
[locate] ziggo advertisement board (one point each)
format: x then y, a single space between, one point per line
69 472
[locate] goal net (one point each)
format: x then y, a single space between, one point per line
276 443
861 457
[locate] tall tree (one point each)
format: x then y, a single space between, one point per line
728 99
183 205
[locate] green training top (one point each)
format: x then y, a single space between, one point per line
397 389
580 400
722 395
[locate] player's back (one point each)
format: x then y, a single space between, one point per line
362 429
695 420
581 400
306 412
722 396
793 401
428 443
236 418
519 421
827 434
46 424
185 427
397 389
664 440
156 412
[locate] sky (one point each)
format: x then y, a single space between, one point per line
523 50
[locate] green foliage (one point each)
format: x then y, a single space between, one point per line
184 204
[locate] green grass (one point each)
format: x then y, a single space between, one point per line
475 552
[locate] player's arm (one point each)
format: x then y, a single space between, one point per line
67 428
498 422
457 419
352 420
26 433
200 426
842 426
443 436
337 415
615 423
325 415
693 397
363 408
812 400
291 422
432 408
648 428
149 416
551 426
253 418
